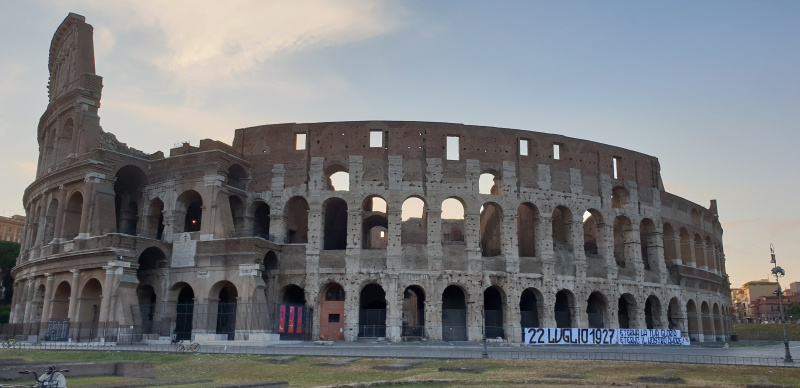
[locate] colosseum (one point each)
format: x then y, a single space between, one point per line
398 230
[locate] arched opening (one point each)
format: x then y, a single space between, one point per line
593 234
563 251
261 221
670 253
335 224
60 304
50 221
717 323
687 256
527 217
493 312
648 239
372 312
89 308
529 306
270 274
146 296
72 216
331 308
711 260
490 183
374 224
155 219
596 307
128 185
452 222
626 311
294 317
674 318
708 324
293 294
491 230
623 241
563 309
338 178
184 312
190 203
620 197
693 319
237 177
652 313
237 213
296 213
413 312
414 218
226 309
454 314
699 252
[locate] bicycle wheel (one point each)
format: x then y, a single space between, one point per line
195 347
17 344
180 349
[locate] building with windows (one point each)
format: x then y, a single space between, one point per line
11 228
347 230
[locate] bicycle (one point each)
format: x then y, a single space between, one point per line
52 378
12 343
192 347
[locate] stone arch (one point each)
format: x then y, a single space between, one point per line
491 225
530 309
652 313
372 311
183 295
594 235
293 294
491 183
190 206
627 311
620 197
454 314
224 294
564 309
89 303
414 221
260 211
693 319
72 216
59 306
296 213
374 223
718 325
50 221
596 310
335 227
237 177
129 183
623 241
453 221
527 219
337 177
413 316
493 311
649 243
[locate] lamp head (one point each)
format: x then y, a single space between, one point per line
772 253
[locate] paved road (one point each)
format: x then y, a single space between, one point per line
756 353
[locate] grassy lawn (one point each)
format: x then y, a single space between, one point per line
207 370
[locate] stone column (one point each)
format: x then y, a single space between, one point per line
351 313
433 319
579 317
675 242
510 243
105 299
544 245
513 318
711 258
656 252
394 251
48 297
353 252
475 314
58 231
633 249
73 297
472 237
575 228
277 227
690 261
434 247
605 232
394 307
547 318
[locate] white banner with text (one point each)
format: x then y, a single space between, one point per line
540 336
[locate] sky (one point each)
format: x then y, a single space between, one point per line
711 88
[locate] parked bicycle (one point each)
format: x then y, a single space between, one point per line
182 347
12 343
52 378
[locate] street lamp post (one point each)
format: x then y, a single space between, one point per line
779 272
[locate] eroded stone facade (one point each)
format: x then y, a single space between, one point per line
571 233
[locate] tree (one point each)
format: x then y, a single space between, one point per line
9 251
793 310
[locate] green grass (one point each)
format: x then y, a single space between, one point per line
305 371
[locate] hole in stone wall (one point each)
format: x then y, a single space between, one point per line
339 181
376 139
335 224
452 221
452 148
374 224
490 183
300 141
556 151
296 213
527 217
414 217
491 230
523 147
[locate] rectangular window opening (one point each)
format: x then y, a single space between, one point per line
333 318
523 147
300 141
375 139
452 148
616 167
556 151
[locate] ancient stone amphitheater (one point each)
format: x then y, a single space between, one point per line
347 230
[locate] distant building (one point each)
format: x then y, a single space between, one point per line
11 228
757 302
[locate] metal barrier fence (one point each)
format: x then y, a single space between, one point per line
465 352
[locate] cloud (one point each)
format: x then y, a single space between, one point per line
202 43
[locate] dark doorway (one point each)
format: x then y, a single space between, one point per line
454 314
372 312
184 314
